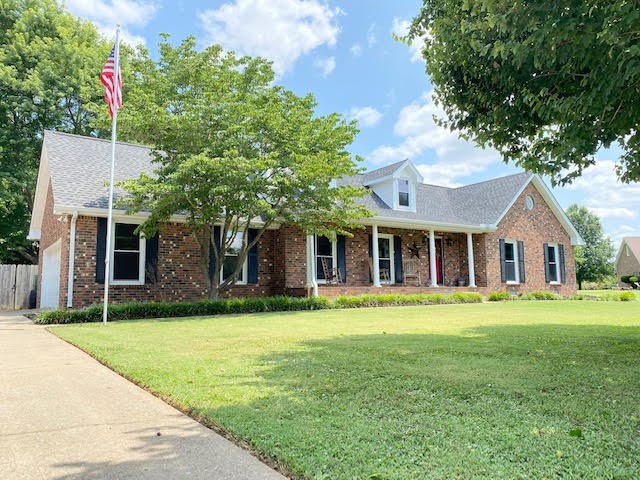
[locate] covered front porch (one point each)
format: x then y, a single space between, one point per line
406 260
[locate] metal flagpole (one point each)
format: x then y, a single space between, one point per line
114 119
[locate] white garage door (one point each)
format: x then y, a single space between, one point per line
50 291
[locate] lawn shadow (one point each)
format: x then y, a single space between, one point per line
180 451
496 401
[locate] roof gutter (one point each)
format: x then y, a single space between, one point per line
425 225
72 258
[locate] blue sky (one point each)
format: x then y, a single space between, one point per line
344 53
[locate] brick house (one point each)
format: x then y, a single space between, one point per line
628 258
505 234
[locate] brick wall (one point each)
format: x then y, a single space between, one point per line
180 273
54 228
534 227
627 264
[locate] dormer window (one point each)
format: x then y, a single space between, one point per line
403 192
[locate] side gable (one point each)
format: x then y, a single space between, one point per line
40 199
629 253
551 202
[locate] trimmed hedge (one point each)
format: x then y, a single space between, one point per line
392 299
541 295
500 296
140 310
132 311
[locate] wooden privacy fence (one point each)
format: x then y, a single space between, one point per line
16 284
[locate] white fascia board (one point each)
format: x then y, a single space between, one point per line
138 217
425 225
576 239
40 198
548 196
410 166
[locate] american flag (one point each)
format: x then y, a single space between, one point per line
106 77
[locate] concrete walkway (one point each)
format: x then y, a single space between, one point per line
65 416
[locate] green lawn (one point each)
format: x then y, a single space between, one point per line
504 390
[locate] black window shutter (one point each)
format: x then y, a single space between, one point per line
252 258
521 260
563 273
397 254
503 267
151 260
547 275
342 257
370 256
212 256
101 249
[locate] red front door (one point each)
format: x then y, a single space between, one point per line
439 270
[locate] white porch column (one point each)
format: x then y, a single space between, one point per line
432 259
376 257
312 283
472 268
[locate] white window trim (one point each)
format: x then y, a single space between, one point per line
412 195
557 265
392 267
245 270
516 261
142 249
334 256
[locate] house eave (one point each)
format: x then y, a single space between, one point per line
557 210
120 214
427 225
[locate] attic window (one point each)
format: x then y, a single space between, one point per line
403 192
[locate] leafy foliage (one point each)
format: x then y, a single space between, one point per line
594 258
545 83
140 310
49 63
234 150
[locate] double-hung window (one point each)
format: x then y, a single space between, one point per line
231 260
325 251
511 261
403 192
127 256
553 263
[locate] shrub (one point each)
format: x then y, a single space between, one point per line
499 296
627 296
541 295
130 311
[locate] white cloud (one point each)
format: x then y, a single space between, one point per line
371 35
400 27
279 30
105 14
620 213
325 65
455 158
356 50
605 195
366 116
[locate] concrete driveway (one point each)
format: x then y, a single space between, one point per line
65 416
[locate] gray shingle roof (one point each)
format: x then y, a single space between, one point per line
80 167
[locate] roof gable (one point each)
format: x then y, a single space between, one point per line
633 243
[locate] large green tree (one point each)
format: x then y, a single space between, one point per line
49 66
234 151
546 83
594 259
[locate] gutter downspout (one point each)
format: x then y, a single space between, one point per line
72 258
